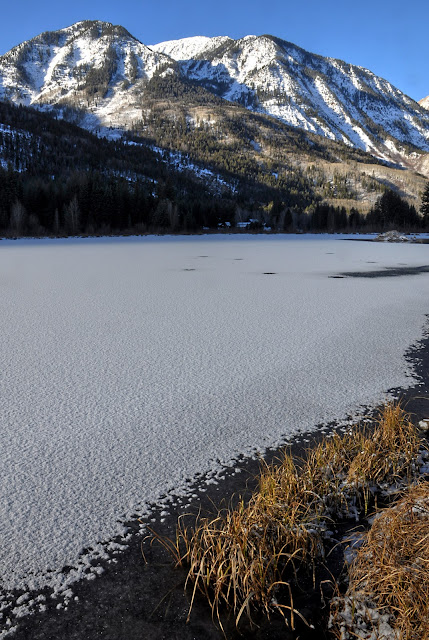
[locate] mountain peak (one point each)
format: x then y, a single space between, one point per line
80 66
100 70
424 102
99 28
190 48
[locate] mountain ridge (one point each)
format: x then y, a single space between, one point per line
291 84
100 76
424 102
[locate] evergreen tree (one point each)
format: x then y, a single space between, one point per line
391 211
17 218
288 221
424 209
71 216
355 219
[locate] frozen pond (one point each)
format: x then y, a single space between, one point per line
128 365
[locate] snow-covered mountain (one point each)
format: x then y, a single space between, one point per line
424 102
188 49
322 95
92 66
102 72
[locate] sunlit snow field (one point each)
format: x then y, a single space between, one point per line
129 365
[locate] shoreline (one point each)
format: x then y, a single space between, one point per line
133 599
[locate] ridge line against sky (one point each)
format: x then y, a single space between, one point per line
387 37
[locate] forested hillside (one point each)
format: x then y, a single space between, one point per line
102 72
174 173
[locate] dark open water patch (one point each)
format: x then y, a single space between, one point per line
388 272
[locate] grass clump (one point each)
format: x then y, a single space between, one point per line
388 593
254 556
349 472
388 453
244 556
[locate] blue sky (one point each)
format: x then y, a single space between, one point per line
390 37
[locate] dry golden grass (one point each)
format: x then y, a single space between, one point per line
251 556
391 574
348 471
243 556
388 453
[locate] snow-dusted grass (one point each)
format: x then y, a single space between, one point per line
388 594
130 365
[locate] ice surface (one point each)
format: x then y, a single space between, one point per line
129 365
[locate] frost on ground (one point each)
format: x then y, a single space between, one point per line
131 365
387 594
366 622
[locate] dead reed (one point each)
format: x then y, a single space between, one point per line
388 593
244 556
348 472
252 556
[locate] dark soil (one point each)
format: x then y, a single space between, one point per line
134 599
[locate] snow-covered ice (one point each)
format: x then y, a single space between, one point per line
131 364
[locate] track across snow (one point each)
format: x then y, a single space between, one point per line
129 365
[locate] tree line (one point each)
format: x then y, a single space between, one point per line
91 203
58 179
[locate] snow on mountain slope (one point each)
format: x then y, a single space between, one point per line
93 66
188 48
101 71
424 102
323 95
